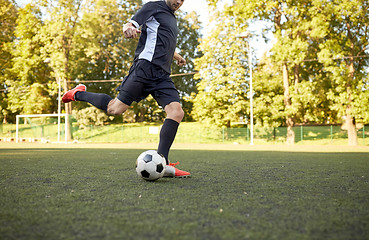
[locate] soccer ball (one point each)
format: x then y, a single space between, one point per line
150 165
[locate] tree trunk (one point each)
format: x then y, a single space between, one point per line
5 120
350 120
228 124
290 132
287 102
296 77
351 130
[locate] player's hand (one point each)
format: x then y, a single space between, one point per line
130 31
181 61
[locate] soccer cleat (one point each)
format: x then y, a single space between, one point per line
69 96
171 171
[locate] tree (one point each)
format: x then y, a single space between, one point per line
291 44
342 53
83 40
109 55
222 91
30 90
290 51
268 98
8 16
104 52
59 33
306 31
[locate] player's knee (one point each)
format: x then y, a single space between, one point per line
115 107
174 111
177 114
114 111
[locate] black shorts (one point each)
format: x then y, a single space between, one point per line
145 78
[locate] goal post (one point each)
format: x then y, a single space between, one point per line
40 116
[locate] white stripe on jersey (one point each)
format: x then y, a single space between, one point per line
152 35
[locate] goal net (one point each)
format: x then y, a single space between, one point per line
41 128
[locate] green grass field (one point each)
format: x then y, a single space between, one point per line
93 192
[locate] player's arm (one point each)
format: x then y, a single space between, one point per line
130 30
179 59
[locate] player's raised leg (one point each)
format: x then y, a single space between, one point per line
100 100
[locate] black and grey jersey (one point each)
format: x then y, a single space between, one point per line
158 38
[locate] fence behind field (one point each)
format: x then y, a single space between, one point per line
187 133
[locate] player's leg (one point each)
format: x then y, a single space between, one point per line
130 90
169 129
174 111
168 133
100 100
79 93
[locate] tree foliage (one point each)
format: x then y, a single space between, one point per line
8 16
31 90
316 70
343 57
89 116
104 52
72 41
222 96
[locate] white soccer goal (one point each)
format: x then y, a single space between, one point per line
18 117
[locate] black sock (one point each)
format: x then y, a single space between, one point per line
99 100
167 134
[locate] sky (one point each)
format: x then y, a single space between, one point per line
200 7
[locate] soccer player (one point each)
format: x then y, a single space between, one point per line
156 24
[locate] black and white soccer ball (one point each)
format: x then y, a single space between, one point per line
150 165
